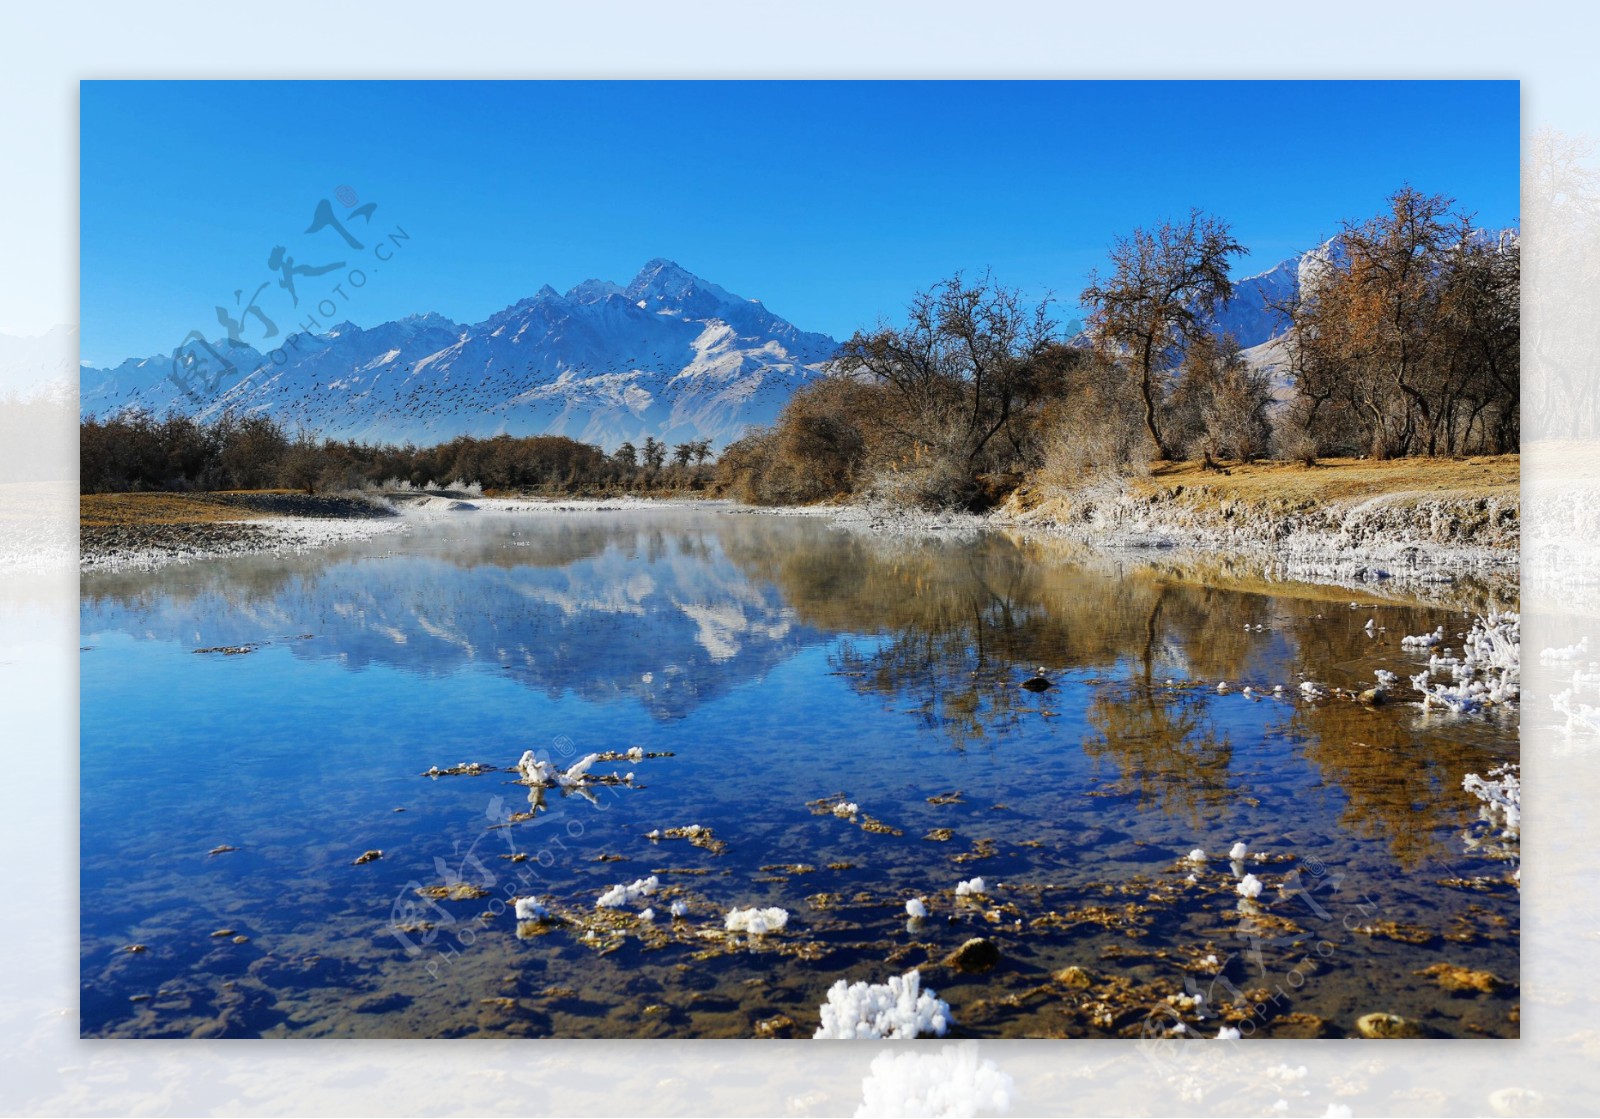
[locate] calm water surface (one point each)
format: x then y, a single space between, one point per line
771 664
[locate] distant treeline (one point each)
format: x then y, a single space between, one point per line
135 450
1402 340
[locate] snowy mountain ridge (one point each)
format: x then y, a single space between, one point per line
668 354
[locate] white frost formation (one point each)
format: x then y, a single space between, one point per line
1250 887
1488 672
530 909
1501 794
755 921
970 887
618 896
896 1009
915 909
950 1082
544 773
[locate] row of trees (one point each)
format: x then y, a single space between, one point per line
135 450
1405 338
1402 340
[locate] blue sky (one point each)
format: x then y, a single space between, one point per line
830 202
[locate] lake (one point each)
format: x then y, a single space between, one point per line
252 727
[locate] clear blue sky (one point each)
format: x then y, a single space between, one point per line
830 202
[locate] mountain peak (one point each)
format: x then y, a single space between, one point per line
593 291
668 285
430 319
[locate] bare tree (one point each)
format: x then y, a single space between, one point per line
958 373
1163 285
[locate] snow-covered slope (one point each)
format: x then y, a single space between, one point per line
669 355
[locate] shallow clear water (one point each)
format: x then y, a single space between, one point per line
773 662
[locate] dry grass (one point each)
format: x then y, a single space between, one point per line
158 509
1343 479
100 510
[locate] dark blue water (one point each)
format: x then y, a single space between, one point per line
778 661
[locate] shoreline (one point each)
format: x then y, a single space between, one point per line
1404 538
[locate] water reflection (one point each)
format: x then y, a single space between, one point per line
671 610
1165 743
743 667
645 609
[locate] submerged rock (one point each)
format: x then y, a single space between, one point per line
1382 1025
367 857
780 1025
1075 977
976 955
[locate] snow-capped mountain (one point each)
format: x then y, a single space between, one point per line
37 365
669 355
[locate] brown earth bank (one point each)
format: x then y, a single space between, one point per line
102 509
1337 506
114 527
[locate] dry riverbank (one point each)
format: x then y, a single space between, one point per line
1343 519
149 529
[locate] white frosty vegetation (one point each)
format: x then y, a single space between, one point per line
1501 794
537 771
618 896
1198 855
1239 852
950 1082
846 809
896 1009
1566 654
915 909
531 909
1488 673
1249 887
970 887
756 921
1579 715
1423 640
